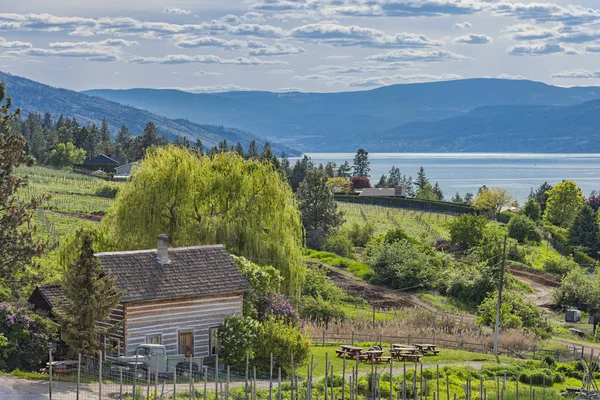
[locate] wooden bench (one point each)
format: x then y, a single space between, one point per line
383 360
408 357
341 353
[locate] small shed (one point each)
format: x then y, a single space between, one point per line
125 170
573 315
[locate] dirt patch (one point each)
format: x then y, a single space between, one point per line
542 283
96 217
374 295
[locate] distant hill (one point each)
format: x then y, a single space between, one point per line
32 96
345 121
565 129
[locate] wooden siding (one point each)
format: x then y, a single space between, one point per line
118 336
169 317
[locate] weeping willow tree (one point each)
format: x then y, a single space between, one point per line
209 200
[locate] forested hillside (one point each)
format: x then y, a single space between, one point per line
32 96
352 116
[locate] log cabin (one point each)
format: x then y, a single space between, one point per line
176 297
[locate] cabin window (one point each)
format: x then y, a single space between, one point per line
114 349
213 340
186 344
154 339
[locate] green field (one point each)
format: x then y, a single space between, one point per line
426 225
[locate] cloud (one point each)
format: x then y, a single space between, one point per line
420 8
103 43
92 54
395 79
592 49
289 89
175 10
512 77
202 73
416 56
212 41
341 35
6 44
279 49
213 88
339 69
462 25
323 79
280 71
539 50
577 74
547 12
525 32
473 38
200 59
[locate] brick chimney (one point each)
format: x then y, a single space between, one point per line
163 249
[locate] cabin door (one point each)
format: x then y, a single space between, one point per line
186 344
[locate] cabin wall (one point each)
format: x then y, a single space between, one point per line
115 341
169 318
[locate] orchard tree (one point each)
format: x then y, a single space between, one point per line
584 230
492 199
222 199
18 245
362 164
90 297
564 202
466 231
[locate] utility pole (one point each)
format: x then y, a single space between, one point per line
497 327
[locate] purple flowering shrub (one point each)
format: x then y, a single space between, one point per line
278 307
27 338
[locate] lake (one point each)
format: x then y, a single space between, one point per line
466 172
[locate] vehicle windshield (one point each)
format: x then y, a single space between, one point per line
142 351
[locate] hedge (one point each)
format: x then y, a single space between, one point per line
410 203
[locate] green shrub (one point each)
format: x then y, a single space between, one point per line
321 311
523 229
537 377
318 284
466 231
578 290
263 280
532 209
237 337
515 312
339 243
361 234
560 265
107 191
282 340
469 283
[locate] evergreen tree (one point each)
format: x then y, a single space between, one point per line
239 148
38 147
383 182
330 169
540 196
317 205
104 132
253 150
90 296
438 192
299 172
186 142
344 170
395 178
422 180
457 198
223 146
47 124
285 166
409 185
198 146
584 231
146 140
18 245
125 140
362 164
469 197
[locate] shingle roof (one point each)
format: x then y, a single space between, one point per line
52 293
373 192
102 159
191 272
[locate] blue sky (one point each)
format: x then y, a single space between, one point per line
305 45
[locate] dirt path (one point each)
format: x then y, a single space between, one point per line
541 282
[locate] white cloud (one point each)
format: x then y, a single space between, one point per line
410 55
341 35
278 49
6 44
200 59
577 74
592 49
473 38
103 43
540 50
462 25
280 71
213 88
323 79
395 79
202 73
511 76
212 41
175 10
547 12
91 54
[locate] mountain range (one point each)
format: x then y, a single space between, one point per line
32 96
459 115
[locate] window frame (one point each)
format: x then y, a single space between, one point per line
152 336
217 345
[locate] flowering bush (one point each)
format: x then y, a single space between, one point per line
360 183
279 307
237 337
27 338
263 280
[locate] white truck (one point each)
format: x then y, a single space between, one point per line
150 357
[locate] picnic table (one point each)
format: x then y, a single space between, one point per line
375 356
349 351
401 348
407 357
427 349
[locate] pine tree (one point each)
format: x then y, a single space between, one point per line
90 296
18 245
344 170
395 178
198 146
186 142
223 146
104 132
584 231
252 150
361 163
438 192
409 185
541 195
422 180
330 169
457 198
383 182
239 148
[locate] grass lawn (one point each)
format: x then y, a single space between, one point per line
359 270
540 253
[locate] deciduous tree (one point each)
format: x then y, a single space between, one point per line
532 209
564 202
492 199
66 154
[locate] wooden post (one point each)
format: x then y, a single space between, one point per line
148 382
134 375
50 373
120 383
326 374
352 338
246 379
217 377
100 376
174 384
391 379
344 377
517 384
191 383
324 337
279 385
205 380
447 388
437 380
292 379
404 382
228 383
78 376
156 377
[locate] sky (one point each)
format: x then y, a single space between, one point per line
297 45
